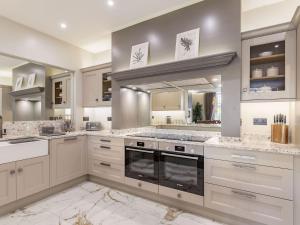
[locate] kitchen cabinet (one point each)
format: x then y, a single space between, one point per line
97 86
269 67
33 176
167 101
61 92
106 158
68 159
23 178
258 186
8 183
260 208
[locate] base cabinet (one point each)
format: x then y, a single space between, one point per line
68 159
23 178
33 176
8 183
260 208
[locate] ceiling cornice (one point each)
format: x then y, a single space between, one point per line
296 17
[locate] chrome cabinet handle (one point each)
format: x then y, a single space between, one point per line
105 164
138 150
105 140
180 156
20 170
247 157
105 147
244 194
70 138
12 172
179 195
241 166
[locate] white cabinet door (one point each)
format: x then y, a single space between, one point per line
8 183
68 159
287 72
271 181
260 208
166 101
33 176
93 88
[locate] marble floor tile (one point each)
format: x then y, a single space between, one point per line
93 204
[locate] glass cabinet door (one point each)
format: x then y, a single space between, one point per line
269 67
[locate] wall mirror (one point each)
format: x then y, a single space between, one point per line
31 91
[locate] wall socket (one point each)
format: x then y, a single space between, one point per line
260 121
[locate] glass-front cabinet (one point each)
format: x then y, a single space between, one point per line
269 67
61 91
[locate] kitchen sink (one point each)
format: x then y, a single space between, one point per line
22 148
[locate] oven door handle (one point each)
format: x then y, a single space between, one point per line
180 156
139 150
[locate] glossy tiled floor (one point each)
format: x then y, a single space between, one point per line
93 204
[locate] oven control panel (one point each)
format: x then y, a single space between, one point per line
139 143
181 148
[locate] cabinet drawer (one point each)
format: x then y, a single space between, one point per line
107 140
271 181
146 186
255 207
106 151
181 195
251 157
106 170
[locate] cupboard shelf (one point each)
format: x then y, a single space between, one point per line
268 78
267 59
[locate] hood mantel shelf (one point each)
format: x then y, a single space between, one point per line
27 91
200 63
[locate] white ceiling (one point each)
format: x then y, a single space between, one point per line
90 22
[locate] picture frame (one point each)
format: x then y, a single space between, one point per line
139 55
19 83
31 80
187 44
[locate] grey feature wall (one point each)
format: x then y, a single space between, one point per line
219 32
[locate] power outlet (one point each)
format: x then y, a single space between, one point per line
260 121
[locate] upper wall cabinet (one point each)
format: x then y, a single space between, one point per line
97 87
167 101
61 92
269 67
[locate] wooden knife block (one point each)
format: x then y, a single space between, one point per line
280 133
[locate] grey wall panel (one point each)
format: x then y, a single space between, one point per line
219 32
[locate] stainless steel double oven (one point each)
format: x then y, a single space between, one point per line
167 164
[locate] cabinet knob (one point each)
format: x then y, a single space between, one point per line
64 102
12 172
97 99
139 184
20 170
179 195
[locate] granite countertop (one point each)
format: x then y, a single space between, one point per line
253 145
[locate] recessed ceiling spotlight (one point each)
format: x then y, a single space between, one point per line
63 25
110 2
134 88
214 79
276 46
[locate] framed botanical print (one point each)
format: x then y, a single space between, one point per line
187 44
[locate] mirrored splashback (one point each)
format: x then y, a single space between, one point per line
31 91
185 104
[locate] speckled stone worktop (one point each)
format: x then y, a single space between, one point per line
253 144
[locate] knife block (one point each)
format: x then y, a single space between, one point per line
280 133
